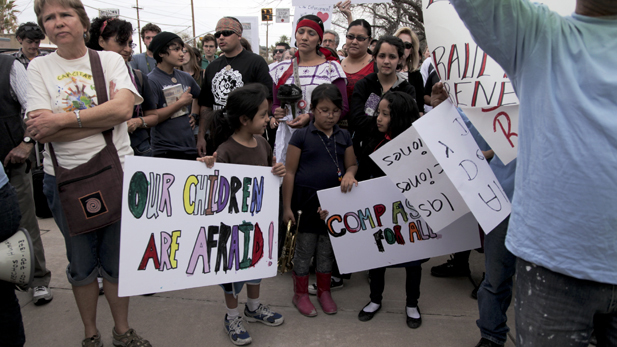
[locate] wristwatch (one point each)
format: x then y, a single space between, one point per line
28 139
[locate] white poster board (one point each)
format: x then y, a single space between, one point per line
185 226
282 15
250 31
499 128
446 135
374 226
473 79
322 11
416 173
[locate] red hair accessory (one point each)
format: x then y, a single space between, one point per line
105 24
311 24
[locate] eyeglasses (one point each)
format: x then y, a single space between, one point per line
279 51
225 33
127 43
359 38
408 45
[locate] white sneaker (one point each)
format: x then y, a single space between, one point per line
41 295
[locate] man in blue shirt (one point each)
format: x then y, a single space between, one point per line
563 226
145 62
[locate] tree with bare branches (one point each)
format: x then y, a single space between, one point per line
386 18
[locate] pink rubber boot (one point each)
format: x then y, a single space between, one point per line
301 299
323 293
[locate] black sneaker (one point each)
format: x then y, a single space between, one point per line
334 285
450 269
487 343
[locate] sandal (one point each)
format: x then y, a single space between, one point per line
94 341
129 339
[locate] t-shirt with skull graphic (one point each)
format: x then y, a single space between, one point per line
225 74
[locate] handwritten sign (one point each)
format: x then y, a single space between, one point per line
470 76
185 226
499 127
374 226
449 139
416 173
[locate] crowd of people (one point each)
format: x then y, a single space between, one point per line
315 115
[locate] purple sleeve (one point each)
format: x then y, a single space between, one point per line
341 84
275 101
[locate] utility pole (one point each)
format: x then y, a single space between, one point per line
193 13
267 47
136 7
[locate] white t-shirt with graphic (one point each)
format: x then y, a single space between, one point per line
62 85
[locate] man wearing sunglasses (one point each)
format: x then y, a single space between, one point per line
235 69
279 49
29 36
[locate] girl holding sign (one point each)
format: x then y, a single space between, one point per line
395 113
388 55
239 127
319 156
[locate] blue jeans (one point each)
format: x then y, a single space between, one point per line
143 149
11 325
495 292
553 309
88 254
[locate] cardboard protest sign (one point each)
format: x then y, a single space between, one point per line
250 30
446 135
417 174
322 11
499 127
184 225
374 226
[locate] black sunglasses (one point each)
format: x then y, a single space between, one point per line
359 38
225 33
279 51
32 28
408 45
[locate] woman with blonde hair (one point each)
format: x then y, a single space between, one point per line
67 111
411 65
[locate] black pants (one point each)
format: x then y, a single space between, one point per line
412 284
11 326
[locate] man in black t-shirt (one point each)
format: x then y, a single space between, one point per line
233 70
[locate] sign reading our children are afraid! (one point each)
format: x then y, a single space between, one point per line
185 226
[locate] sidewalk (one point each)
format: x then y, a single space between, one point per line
194 317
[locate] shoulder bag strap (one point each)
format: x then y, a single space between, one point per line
99 85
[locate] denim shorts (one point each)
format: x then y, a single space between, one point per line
236 287
90 254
